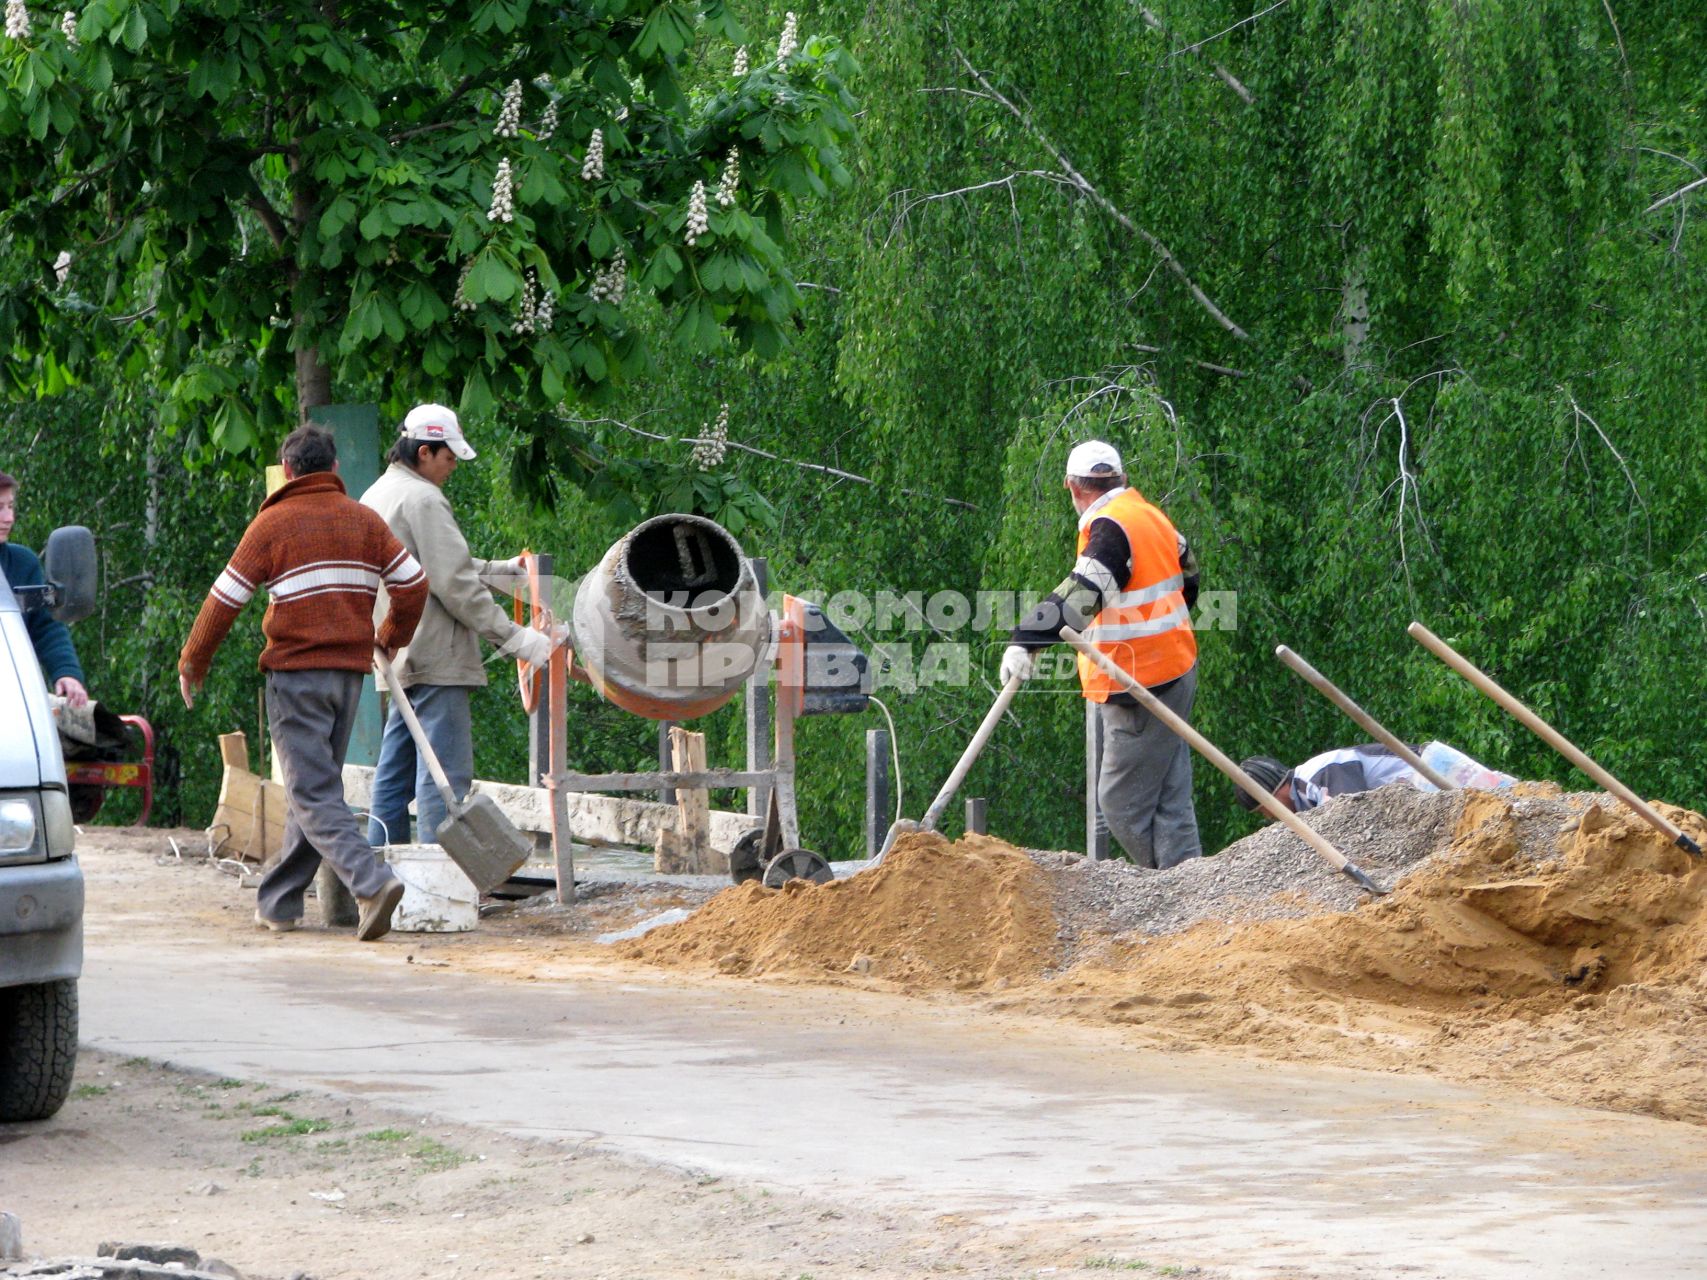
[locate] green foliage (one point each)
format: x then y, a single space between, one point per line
1508 450
246 191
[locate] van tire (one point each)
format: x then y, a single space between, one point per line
38 1048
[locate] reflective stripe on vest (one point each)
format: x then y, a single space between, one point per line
1144 627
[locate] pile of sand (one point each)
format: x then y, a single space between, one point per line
1578 970
932 916
1546 943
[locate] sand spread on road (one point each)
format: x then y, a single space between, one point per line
1573 964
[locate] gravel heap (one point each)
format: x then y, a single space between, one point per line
1272 874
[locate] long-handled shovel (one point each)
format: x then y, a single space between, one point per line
475 833
939 806
1368 723
1548 734
1207 749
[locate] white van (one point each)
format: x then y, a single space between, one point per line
41 885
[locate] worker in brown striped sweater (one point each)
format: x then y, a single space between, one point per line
322 556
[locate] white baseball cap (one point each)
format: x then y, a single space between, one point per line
436 423
1093 458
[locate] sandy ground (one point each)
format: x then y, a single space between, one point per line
276 1183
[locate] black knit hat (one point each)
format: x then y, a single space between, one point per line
1267 772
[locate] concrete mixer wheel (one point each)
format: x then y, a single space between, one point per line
797 864
746 859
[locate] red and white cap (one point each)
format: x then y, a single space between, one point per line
1093 458
436 423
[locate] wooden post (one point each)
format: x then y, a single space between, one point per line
1096 828
539 723
977 816
758 706
666 795
686 850
879 809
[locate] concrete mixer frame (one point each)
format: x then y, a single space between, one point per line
781 830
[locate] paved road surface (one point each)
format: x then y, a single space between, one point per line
1264 1169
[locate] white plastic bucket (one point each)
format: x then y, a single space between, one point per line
437 897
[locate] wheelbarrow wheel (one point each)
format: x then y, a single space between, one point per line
746 862
797 864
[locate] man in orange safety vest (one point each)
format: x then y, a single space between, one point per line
1130 593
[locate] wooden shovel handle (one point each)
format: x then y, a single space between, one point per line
1548 734
1364 720
968 757
1207 749
383 665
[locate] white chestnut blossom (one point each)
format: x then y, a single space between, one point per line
730 180
510 114
527 314
698 218
17 19
459 300
714 444
610 283
503 195
740 68
548 123
593 167
542 312
68 24
790 42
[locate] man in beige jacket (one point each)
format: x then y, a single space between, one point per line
442 664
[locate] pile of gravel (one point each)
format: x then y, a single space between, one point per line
1272 874
1268 875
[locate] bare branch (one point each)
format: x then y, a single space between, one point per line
1194 48
1582 415
1221 369
1676 195
1225 76
1084 185
901 215
269 217
774 457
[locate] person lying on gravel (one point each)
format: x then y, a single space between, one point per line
1347 769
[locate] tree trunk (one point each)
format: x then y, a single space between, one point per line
313 375
313 380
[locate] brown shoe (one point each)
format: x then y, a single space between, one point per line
375 920
277 926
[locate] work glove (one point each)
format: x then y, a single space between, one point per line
530 646
1017 662
506 568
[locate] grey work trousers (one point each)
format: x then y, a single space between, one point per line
1145 785
310 715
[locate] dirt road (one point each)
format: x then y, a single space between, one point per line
708 1127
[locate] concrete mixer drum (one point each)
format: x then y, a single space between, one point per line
671 624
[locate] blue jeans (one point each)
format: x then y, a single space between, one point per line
402 775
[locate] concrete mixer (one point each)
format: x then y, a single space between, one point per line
670 625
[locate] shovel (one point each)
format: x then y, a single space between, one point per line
1208 750
939 806
475 833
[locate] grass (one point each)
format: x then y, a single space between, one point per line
91 1090
1137 1264
437 1157
294 1127
432 1153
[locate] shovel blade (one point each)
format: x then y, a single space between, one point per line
484 843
